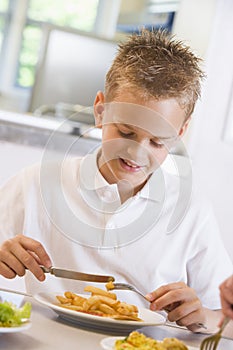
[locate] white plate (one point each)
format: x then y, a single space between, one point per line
21 328
108 343
105 324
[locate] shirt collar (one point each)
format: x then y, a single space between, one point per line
90 175
92 179
154 189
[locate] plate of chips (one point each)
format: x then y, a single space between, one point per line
99 311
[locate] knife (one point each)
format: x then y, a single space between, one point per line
74 275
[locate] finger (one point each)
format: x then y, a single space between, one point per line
173 297
228 283
226 293
35 257
185 310
225 303
227 308
12 262
28 261
6 271
172 306
221 321
229 313
28 244
36 248
159 292
20 249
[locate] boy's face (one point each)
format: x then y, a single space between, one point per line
136 136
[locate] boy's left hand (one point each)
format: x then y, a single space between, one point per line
181 303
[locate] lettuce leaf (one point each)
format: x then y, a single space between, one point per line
11 316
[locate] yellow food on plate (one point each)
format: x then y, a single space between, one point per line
109 285
139 341
100 303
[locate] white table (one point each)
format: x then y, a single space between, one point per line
49 332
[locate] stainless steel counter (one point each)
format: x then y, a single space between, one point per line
35 131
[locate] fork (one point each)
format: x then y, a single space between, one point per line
211 343
126 286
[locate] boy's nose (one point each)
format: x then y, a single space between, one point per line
137 152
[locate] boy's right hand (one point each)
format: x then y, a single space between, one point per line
20 253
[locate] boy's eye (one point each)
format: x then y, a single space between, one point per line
125 133
157 143
128 133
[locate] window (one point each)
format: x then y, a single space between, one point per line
21 29
147 14
75 14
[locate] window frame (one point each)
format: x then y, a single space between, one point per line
40 24
7 17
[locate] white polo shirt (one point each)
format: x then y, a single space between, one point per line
165 233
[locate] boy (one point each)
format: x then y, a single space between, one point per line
116 211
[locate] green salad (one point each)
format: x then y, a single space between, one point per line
12 316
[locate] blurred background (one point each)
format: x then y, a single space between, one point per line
51 39
54 55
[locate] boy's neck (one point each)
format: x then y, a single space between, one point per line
125 188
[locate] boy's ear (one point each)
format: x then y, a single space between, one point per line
99 109
184 127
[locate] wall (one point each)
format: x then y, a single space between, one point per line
194 23
211 155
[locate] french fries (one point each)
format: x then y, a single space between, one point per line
100 303
109 285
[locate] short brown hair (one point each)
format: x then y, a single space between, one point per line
155 65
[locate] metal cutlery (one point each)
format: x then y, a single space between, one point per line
75 275
66 274
211 342
125 286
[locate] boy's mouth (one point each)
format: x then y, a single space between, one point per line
129 165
